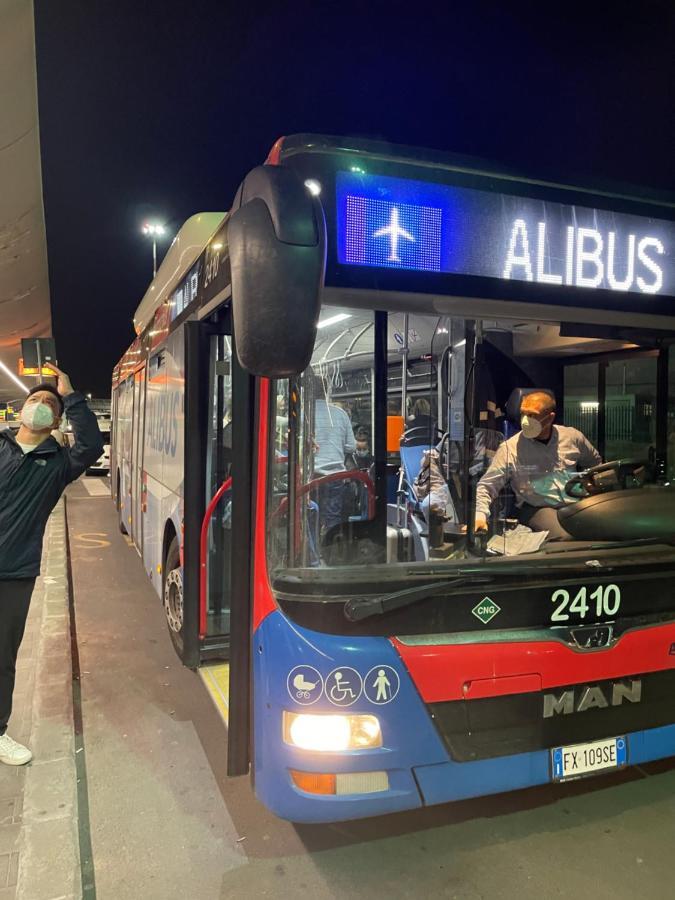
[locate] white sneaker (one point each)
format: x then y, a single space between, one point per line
13 754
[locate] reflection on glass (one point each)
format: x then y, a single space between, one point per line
581 399
630 409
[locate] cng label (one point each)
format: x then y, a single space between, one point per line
486 610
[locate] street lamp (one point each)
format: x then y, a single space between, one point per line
154 231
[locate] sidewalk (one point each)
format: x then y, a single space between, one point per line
39 848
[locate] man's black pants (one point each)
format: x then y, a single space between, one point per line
14 603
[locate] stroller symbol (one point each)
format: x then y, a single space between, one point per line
304 685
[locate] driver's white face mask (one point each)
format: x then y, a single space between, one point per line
531 427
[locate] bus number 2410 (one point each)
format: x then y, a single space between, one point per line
604 600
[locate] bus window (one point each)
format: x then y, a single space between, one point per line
218 470
630 417
581 399
454 383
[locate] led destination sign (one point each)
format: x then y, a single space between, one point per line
404 224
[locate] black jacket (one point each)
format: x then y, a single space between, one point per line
31 484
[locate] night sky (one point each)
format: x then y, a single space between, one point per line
158 109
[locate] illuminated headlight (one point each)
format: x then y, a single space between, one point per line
331 733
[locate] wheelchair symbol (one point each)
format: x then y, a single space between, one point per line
304 684
343 686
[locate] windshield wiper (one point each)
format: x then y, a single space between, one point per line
364 607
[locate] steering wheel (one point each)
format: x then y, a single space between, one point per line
618 475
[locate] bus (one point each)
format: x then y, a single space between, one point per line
384 655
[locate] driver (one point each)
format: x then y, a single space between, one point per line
537 463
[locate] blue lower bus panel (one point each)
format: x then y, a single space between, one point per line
304 673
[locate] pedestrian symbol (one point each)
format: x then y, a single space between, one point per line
343 686
304 684
381 685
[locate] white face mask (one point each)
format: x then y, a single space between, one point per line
37 416
531 427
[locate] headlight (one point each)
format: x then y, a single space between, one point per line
332 733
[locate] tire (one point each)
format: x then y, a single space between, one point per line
172 596
120 522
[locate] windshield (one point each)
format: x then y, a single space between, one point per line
416 444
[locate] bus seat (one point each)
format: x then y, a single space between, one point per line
395 428
411 461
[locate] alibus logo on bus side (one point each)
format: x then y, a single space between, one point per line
162 422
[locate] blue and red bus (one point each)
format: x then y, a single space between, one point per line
320 378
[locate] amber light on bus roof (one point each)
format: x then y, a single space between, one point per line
274 156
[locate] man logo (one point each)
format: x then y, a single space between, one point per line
486 610
592 697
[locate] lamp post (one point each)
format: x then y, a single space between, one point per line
154 231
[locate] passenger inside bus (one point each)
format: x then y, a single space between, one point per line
362 455
334 441
421 416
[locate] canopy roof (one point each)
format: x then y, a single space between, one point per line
24 284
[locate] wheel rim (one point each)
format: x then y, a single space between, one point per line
173 600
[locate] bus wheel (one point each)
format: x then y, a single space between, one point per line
173 595
118 501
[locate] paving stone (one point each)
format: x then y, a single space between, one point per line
9 864
49 865
50 790
11 780
9 838
52 739
53 700
10 812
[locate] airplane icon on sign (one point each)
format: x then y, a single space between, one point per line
394 231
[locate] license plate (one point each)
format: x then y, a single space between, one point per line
585 759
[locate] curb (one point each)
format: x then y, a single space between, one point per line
49 857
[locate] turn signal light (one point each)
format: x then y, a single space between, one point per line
313 783
341 784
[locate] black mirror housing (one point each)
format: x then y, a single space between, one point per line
277 247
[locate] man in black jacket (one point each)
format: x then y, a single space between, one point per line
34 471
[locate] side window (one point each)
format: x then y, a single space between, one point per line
218 470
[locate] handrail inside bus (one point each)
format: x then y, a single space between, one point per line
203 539
346 475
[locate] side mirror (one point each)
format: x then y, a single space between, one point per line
276 235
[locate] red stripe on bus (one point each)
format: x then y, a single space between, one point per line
263 598
469 671
203 549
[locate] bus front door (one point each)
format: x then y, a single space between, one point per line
218 472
